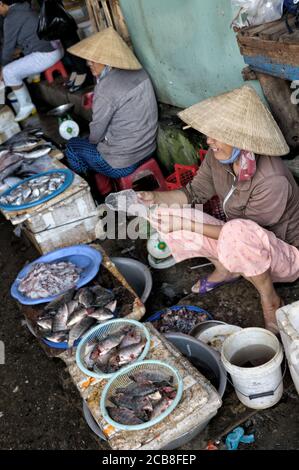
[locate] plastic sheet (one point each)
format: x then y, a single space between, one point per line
255 12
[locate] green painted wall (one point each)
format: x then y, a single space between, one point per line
187 47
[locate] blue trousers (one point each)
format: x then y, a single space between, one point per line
83 156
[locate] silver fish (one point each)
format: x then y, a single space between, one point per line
79 329
148 376
26 193
109 343
60 319
45 323
10 170
76 317
89 347
24 146
132 337
58 337
127 355
161 407
12 180
35 193
72 306
59 301
111 306
101 314
124 416
85 297
40 152
138 390
101 363
103 297
138 404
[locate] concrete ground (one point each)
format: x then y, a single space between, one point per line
39 406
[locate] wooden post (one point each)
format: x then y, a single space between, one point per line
91 16
278 94
107 13
119 21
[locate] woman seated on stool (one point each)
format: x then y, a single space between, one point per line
19 31
124 111
260 197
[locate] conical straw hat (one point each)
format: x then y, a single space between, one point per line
108 48
240 119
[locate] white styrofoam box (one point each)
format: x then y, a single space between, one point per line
76 207
8 126
74 233
288 324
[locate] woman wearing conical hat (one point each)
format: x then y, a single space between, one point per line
124 111
260 240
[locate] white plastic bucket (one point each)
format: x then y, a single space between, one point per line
288 324
13 101
258 387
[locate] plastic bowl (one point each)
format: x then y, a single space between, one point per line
192 308
99 332
136 274
122 379
198 329
69 177
83 256
217 334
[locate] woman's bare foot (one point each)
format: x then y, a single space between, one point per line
215 276
269 306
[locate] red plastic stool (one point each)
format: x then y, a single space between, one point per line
103 183
149 168
58 67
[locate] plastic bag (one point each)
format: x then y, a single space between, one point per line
54 22
255 12
126 201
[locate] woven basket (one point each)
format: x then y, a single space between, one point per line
122 379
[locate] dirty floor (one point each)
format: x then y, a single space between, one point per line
39 406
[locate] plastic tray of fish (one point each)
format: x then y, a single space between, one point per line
179 318
141 395
109 347
56 272
67 318
36 190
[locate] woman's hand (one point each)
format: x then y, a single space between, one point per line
165 222
148 198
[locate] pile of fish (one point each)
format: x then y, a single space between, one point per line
47 279
182 320
68 317
148 395
114 351
18 156
34 189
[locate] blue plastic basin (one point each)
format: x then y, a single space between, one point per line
83 256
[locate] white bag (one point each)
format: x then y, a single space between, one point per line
255 12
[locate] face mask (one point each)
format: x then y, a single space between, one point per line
235 155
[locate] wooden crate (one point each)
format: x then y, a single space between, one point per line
270 48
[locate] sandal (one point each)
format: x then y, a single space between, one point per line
207 286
